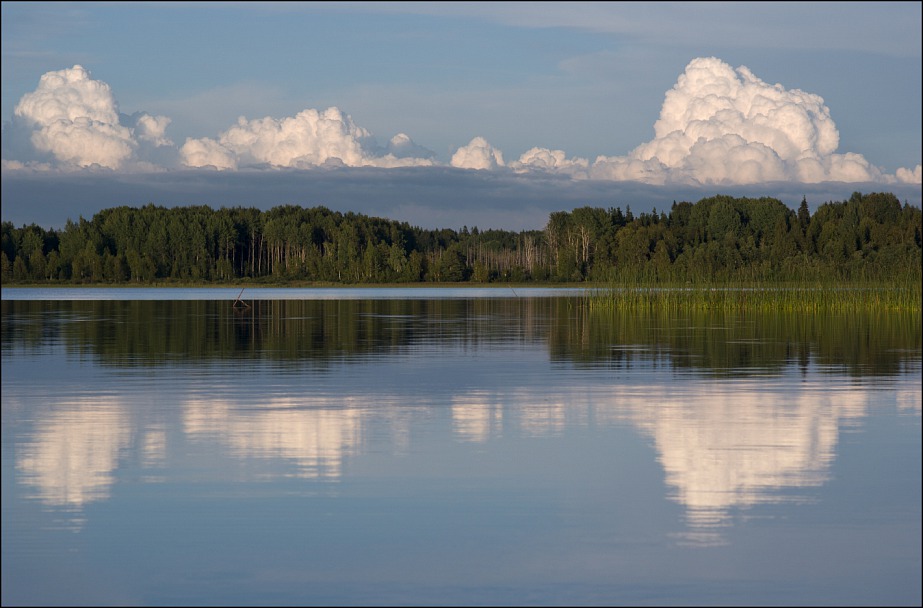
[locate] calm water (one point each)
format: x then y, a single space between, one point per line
461 447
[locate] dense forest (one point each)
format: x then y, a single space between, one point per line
720 238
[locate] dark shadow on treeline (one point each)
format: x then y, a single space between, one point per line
720 238
318 334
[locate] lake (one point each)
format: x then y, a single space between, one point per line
421 446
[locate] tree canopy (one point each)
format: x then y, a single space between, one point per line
719 238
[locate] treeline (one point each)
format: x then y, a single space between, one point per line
720 238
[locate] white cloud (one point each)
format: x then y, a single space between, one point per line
152 128
69 95
543 159
311 138
478 154
719 125
75 120
83 142
401 146
207 152
627 169
390 161
910 176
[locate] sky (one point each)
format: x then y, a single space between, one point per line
450 114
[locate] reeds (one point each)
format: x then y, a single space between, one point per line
797 297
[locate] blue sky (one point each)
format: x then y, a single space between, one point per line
500 112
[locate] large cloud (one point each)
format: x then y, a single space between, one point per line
311 138
721 126
718 126
74 120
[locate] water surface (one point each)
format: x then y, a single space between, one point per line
458 450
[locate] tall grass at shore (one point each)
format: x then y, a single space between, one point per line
783 297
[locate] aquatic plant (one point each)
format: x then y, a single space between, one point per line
783 297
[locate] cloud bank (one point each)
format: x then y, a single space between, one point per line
718 126
429 197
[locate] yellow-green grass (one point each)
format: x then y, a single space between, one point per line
797 297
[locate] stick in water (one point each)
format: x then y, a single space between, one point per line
237 301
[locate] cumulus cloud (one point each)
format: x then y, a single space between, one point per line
720 125
152 129
74 121
910 176
478 154
401 146
311 138
207 152
543 159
